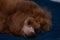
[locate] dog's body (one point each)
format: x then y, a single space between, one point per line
23 17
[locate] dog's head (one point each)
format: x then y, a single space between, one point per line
34 25
36 20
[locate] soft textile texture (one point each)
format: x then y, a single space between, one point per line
53 34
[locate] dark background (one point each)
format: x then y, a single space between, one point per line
54 34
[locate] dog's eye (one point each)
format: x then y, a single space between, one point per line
29 22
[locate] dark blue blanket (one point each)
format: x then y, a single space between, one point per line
54 34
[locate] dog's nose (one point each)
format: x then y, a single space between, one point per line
37 30
31 35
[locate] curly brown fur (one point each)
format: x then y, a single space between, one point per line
15 12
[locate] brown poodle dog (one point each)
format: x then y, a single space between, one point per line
23 18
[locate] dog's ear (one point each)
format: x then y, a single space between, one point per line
46 25
43 17
46 21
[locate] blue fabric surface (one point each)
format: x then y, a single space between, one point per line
54 34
